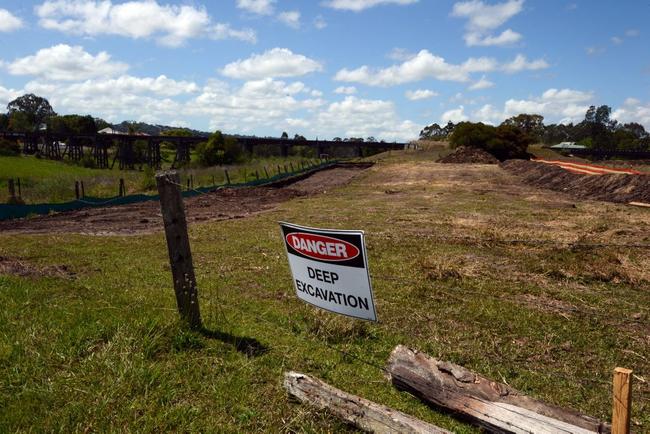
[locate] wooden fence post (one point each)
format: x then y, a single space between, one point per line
122 188
178 247
20 193
83 189
622 401
12 190
257 174
266 172
279 170
291 165
76 190
227 176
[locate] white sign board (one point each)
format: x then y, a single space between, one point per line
330 269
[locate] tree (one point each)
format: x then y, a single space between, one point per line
533 125
448 129
504 142
432 132
284 135
600 126
72 124
20 122
4 122
218 150
177 132
299 137
635 129
37 109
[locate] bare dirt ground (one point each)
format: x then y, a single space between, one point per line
222 204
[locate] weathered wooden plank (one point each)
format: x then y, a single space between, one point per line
363 414
494 406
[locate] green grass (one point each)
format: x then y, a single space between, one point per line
99 348
48 181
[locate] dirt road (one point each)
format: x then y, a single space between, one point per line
145 217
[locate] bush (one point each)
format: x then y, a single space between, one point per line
504 142
88 162
218 150
9 148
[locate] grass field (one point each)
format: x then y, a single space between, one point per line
89 339
48 181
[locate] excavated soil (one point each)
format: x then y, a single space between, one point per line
469 155
221 204
609 188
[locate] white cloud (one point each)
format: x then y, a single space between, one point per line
423 65
455 115
297 123
633 110
400 54
319 22
8 95
359 5
355 117
345 90
63 62
632 33
259 7
488 114
483 18
520 63
415 95
556 105
257 104
616 40
507 37
483 83
426 65
290 18
170 25
9 22
277 62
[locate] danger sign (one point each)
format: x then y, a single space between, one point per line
330 269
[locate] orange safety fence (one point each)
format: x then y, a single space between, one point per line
589 169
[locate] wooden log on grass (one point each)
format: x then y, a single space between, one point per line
494 406
361 413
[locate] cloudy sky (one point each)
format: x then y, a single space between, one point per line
326 68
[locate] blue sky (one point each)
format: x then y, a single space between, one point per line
382 68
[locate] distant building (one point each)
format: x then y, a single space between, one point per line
109 130
568 145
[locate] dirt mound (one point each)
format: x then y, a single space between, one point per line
610 188
469 155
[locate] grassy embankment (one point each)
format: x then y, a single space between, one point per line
95 346
51 181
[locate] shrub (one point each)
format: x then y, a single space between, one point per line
218 150
88 161
504 142
9 148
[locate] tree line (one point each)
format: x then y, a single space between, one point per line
597 131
